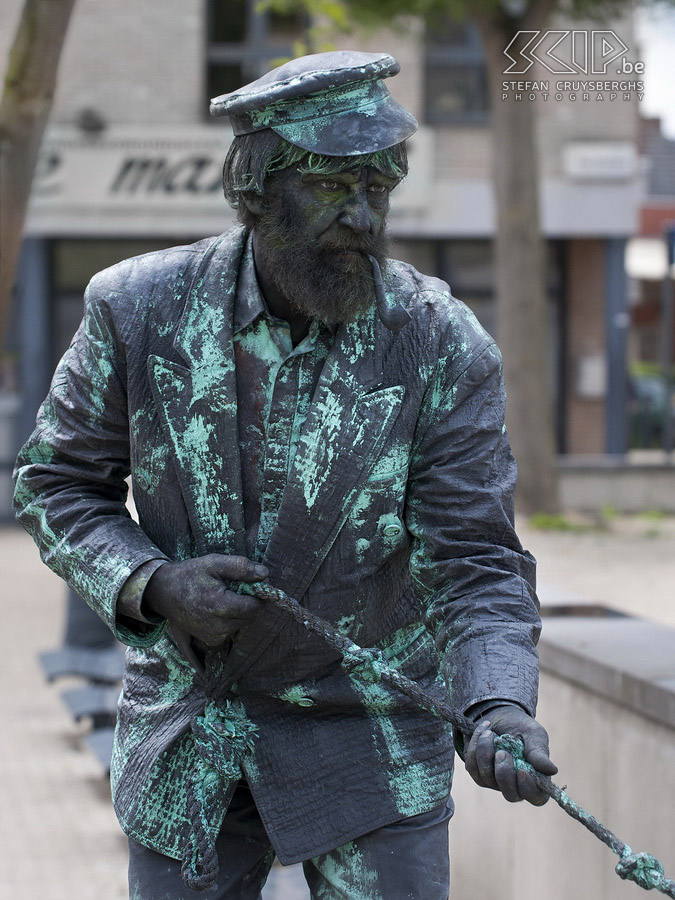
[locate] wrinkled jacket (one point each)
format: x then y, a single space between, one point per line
395 525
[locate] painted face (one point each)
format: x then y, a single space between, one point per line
318 231
339 208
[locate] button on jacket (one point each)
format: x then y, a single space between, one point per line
394 523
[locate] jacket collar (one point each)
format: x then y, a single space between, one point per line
345 429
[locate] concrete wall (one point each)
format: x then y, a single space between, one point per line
578 120
618 763
132 62
590 485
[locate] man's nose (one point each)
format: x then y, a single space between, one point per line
356 213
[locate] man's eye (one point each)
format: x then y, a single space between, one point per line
378 189
329 185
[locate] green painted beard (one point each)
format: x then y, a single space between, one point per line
317 279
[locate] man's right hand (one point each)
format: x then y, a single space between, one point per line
193 595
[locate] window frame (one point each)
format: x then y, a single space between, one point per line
468 55
254 53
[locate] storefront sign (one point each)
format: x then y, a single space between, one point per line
126 166
138 180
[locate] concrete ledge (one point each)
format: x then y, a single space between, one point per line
617 763
589 483
626 660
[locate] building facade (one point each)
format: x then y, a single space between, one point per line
131 162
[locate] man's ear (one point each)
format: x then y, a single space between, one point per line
253 202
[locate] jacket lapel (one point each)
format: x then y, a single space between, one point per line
198 402
347 425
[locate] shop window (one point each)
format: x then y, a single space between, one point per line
456 89
243 42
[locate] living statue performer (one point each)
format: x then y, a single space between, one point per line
293 406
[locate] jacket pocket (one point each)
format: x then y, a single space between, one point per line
375 523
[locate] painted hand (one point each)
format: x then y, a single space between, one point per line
194 595
496 770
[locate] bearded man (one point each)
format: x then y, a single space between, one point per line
294 406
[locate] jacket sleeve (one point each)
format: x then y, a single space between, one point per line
472 577
70 488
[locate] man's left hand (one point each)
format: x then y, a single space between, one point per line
496 770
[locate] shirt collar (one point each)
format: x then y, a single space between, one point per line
249 302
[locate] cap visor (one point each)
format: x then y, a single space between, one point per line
352 133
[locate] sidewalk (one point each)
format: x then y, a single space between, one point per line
59 836
58 832
629 565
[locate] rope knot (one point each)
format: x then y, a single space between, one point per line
642 868
222 734
366 663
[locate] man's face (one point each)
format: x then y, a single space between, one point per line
317 232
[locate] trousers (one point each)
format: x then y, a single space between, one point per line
406 860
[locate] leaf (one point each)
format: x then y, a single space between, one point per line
336 12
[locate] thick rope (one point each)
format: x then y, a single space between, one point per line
222 734
370 665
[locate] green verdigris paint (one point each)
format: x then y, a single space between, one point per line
348 875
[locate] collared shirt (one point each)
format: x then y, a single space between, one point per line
275 385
